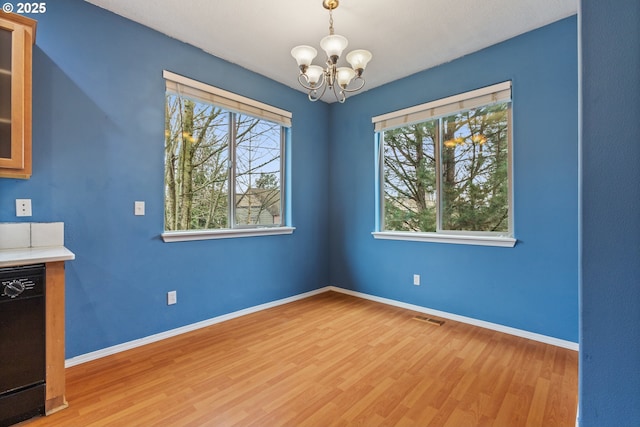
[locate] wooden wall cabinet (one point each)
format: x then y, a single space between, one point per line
17 36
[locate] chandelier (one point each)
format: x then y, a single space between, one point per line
316 80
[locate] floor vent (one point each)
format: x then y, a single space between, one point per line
429 320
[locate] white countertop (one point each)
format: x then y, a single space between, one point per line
34 255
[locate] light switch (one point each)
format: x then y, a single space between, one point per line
23 207
139 208
172 297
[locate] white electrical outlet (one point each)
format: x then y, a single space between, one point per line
172 297
416 279
138 208
23 207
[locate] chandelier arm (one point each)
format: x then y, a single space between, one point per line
340 96
302 79
362 81
313 94
304 82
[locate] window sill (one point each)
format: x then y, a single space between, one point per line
459 239
184 236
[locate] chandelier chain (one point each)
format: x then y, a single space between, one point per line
331 22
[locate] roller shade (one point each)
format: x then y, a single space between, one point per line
203 92
488 95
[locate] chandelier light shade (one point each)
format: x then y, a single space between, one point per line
314 74
304 55
333 45
340 80
359 59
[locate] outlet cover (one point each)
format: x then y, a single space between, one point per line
23 207
416 279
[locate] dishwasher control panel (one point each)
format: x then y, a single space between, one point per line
21 282
14 288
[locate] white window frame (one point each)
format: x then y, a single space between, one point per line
237 104
488 95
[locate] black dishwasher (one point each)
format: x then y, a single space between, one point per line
22 343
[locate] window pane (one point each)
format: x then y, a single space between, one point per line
196 165
410 177
257 197
474 169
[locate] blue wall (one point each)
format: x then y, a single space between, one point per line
610 228
533 286
98 111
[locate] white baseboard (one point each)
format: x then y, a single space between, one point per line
87 357
481 323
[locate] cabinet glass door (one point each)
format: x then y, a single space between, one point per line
5 93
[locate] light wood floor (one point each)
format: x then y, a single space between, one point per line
329 360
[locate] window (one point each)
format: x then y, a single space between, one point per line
224 163
445 169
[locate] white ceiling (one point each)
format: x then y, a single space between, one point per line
405 36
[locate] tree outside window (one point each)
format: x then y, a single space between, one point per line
449 173
222 169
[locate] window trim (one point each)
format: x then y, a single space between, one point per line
224 233
435 110
460 239
236 104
